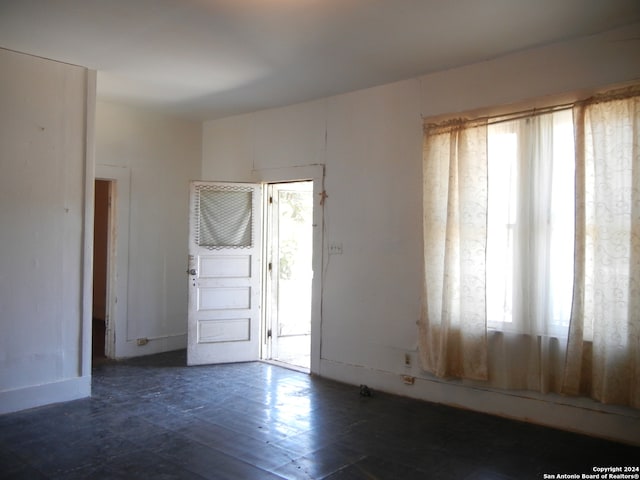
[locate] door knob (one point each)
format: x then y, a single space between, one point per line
192 271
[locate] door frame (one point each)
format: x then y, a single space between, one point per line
270 279
313 173
117 254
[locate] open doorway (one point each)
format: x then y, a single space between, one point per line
101 245
289 273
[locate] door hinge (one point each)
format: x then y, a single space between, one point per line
269 333
270 200
270 266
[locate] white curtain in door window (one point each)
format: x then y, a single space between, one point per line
453 322
224 217
604 345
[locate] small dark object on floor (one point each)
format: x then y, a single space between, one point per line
365 391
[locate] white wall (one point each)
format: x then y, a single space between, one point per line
45 122
153 158
370 144
569 69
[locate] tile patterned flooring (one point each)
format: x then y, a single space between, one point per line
154 418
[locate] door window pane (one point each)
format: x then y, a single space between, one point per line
224 217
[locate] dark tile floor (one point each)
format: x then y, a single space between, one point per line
152 417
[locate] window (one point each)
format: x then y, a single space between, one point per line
532 249
530 210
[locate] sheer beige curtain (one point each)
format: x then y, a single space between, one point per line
603 358
498 204
532 250
453 323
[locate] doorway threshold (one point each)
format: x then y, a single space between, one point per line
290 366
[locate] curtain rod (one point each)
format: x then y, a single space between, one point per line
617 94
502 118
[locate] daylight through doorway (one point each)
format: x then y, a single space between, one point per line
290 273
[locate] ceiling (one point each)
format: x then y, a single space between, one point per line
205 59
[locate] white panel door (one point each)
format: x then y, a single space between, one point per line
224 272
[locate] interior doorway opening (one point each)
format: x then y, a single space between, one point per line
289 273
101 244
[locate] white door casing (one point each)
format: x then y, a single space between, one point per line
118 282
316 174
224 272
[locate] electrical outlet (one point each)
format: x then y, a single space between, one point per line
335 248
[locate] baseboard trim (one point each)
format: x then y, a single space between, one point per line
576 415
167 343
45 394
